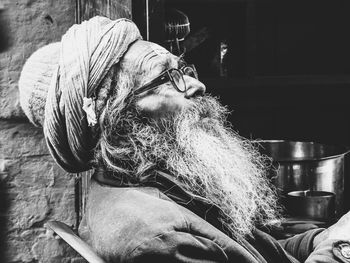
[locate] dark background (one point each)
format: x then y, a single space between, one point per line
287 65
288 70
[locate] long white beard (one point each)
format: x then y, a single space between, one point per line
203 152
215 163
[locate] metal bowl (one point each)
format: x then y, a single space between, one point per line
300 166
318 205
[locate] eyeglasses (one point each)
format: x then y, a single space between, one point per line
174 75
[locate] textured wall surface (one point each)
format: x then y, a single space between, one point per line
27 25
33 189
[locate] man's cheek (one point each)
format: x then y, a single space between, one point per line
158 106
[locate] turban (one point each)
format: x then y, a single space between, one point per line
59 82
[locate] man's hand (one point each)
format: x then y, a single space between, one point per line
338 231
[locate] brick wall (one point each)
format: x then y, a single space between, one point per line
33 189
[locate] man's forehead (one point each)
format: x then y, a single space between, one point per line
146 46
158 49
142 52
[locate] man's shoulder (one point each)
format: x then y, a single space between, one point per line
148 206
136 201
135 209
127 223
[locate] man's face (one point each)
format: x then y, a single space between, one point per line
146 61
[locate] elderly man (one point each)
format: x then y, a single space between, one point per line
172 182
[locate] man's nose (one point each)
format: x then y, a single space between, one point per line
194 87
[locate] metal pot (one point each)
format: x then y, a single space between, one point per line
318 205
306 166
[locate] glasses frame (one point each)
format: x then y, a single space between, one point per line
166 76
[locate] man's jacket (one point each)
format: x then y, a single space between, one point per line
157 221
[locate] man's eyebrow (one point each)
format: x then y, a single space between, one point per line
167 63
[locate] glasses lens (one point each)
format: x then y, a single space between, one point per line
178 80
190 70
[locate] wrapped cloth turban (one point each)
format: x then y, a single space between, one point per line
58 84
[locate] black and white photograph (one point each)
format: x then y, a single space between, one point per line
174 131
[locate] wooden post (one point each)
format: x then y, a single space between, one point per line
109 8
148 15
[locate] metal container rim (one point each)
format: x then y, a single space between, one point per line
324 194
343 149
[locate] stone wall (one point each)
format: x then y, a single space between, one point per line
33 189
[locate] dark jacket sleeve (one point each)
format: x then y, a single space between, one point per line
301 247
175 246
